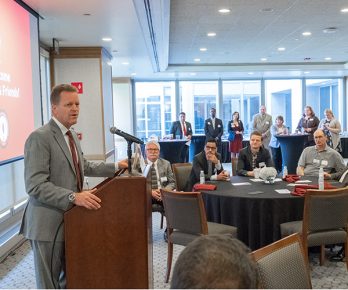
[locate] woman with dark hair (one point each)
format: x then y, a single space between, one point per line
235 130
308 124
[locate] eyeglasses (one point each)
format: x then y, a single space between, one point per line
152 149
210 148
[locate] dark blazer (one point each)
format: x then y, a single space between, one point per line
245 160
176 129
312 123
199 163
240 124
210 132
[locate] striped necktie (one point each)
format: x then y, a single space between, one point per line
72 146
154 183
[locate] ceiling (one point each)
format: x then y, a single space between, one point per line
161 38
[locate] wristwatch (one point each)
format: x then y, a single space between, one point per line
72 197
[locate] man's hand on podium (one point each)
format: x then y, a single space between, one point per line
123 164
87 199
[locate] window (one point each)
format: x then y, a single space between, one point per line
154 108
243 97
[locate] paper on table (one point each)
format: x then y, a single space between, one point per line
256 180
283 191
241 183
303 181
294 184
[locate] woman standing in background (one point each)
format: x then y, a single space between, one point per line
277 129
235 127
332 129
308 124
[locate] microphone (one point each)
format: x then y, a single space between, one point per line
125 135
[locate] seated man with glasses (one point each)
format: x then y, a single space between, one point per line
207 161
320 155
253 156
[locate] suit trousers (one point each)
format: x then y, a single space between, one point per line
45 277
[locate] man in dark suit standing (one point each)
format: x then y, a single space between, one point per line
54 169
182 129
214 129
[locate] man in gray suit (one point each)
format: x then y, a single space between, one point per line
161 171
262 122
54 172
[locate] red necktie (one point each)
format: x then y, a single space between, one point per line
184 129
74 157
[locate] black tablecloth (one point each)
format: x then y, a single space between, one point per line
344 145
257 216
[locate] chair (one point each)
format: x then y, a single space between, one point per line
186 220
325 220
181 174
159 208
234 162
283 265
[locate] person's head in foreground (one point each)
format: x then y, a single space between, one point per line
215 261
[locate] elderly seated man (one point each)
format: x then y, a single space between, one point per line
253 156
320 155
207 161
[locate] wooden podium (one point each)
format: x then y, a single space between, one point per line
111 247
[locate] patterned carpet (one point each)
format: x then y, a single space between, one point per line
17 271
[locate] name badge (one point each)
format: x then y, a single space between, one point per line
219 126
208 123
164 179
316 161
311 119
324 162
262 164
267 122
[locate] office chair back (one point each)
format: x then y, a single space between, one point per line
181 175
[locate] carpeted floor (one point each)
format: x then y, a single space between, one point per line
17 271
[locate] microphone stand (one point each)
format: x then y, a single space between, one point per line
129 153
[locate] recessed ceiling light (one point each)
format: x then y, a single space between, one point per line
196 59
106 39
224 10
203 49
211 34
263 59
306 72
192 74
306 33
281 48
125 63
250 73
344 10
330 30
327 58
133 74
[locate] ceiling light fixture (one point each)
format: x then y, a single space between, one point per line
196 59
125 63
211 34
263 59
203 49
224 10
250 73
106 39
328 58
344 10
306 72
133 74
192 74
281 48
306 33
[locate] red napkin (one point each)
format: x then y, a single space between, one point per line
204 187
301 189
291 177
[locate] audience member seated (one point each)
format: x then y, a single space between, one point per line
161 171
320 155
213 262
253 156
208 161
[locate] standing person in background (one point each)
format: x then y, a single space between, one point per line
331 128
277 129
184 130
54 169
308 124
235 126
214 129
262 122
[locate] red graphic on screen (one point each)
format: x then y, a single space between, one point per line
16 92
